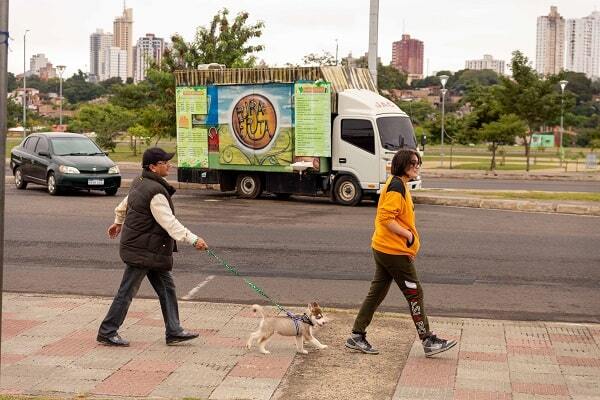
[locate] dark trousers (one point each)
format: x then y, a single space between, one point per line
400 269
161 281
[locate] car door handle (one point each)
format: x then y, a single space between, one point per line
342 160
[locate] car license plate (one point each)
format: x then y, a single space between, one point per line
95 182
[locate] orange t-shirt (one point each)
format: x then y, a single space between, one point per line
395 203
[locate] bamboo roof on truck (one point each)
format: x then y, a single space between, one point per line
341 78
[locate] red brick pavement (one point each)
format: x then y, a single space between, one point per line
539 389
482 356
131 383
261 366
13 327
8 359
468 394
223 341
579 361
432 373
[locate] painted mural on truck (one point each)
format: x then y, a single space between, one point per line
254 126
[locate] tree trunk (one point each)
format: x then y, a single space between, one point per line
493 163
527 152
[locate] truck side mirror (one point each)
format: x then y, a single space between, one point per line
423 140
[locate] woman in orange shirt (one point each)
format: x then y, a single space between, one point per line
395 245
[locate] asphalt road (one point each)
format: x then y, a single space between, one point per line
130 171
477 263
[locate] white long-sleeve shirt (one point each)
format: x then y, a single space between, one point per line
162 213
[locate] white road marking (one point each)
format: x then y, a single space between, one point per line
192 293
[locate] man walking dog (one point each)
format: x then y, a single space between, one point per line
148 227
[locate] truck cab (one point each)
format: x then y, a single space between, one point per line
367 132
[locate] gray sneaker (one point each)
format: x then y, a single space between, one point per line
433 345
358 341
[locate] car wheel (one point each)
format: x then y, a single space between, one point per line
347 191
248 186
19 181
53 188
111 191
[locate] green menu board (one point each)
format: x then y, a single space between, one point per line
312 102
192 134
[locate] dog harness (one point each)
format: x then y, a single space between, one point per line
297 319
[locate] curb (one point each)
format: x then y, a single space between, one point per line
452 201
510 205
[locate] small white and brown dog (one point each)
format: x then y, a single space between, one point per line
299 326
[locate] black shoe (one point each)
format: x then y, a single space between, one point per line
358 341
433 345
113 341
181 337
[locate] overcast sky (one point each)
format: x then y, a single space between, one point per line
452 30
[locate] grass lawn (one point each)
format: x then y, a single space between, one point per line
557 196
485 166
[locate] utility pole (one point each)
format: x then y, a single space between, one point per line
3 114
25 84
373 32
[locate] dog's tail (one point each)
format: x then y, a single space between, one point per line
258 309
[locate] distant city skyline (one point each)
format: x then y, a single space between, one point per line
451 34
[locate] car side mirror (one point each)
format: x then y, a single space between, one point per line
44 154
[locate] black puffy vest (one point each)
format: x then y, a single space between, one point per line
144 243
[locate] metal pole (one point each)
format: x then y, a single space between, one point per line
443 112
3 115
24 84
373 29
61 101
560 145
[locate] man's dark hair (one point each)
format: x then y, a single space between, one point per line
402 160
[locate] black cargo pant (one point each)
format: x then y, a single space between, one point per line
400 269
161 281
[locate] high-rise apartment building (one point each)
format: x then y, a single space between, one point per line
99 43
115 64
550 45
123 36
37 62
487 62
583 45
407 56
147 50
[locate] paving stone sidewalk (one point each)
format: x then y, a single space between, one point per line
506 360
49 349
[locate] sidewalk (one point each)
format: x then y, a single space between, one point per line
49 349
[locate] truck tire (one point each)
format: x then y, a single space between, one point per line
347 191
248 186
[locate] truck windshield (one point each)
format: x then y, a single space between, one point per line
396 133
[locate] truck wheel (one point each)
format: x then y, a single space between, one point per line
19 181
248 186
347 191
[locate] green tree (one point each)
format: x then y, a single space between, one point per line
106 120
532 99
131 96
14 113
503 131
222 42
389 77
77 89
11 83
139 132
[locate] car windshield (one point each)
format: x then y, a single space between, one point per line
74 147
396 133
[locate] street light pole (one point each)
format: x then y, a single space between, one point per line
60 69
24 84
563 84
443 80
